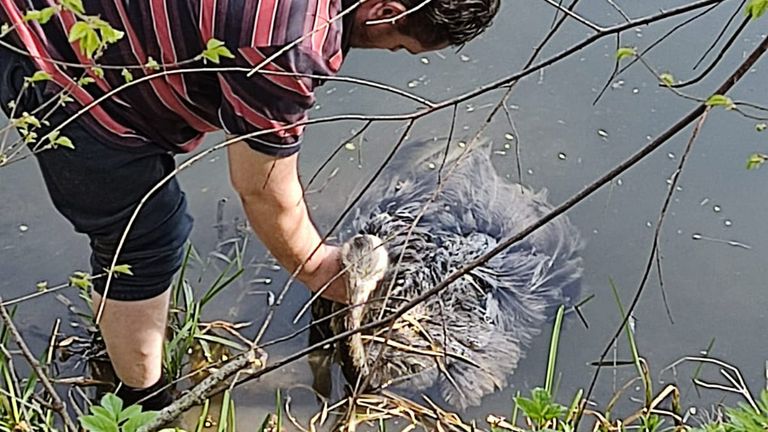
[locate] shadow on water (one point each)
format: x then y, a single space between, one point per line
715 290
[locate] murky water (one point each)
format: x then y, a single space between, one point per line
714 290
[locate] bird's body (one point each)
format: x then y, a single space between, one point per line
467 339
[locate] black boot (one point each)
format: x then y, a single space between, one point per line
151 398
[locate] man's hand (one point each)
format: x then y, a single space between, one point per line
329 271
273 200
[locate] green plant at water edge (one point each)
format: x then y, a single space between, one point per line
185 316
742 418
109 416
540 409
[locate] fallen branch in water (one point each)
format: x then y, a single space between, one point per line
254 359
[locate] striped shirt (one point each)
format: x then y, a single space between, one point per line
174 111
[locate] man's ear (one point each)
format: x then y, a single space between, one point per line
385 9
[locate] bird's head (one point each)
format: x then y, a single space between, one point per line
366 261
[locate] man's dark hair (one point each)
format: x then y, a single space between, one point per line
453 21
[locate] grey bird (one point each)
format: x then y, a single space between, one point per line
468 339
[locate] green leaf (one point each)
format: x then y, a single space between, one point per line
761 127
756 8
81 280
720 100
756 160
152 64
84 81
97 71
625 52
41 16
113 404
4 29
63 141
39 76
73 5
215 49
667 79
123 269
100 411
78 31
139 420
127 75
95 423
131 411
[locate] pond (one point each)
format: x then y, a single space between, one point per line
715 290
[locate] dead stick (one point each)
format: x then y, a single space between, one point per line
58 405
253 359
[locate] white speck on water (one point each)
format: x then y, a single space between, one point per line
728 222
514 107
696 236
470 108
424 60
562 156
704 201
617 84
529 171
413 83
619 182
331 90
669 181
671 155
318 107
602 133
461 144
716 208
679 232
679 188
23 228
350 146
648 137
432 165
507 146
464 58
500 152
261 281
509 137
275 268
466 128
595 231
648 224
635 90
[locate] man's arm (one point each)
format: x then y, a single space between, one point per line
273 200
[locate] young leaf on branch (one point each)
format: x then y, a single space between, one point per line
215 49
41 16
756 160
625 52
756 8
720 100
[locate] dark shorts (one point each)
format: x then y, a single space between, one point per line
98 187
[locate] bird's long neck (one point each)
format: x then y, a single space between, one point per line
358 297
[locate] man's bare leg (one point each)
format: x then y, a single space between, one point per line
134 332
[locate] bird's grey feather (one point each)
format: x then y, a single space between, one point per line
483 321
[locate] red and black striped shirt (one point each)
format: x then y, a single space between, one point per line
176 110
